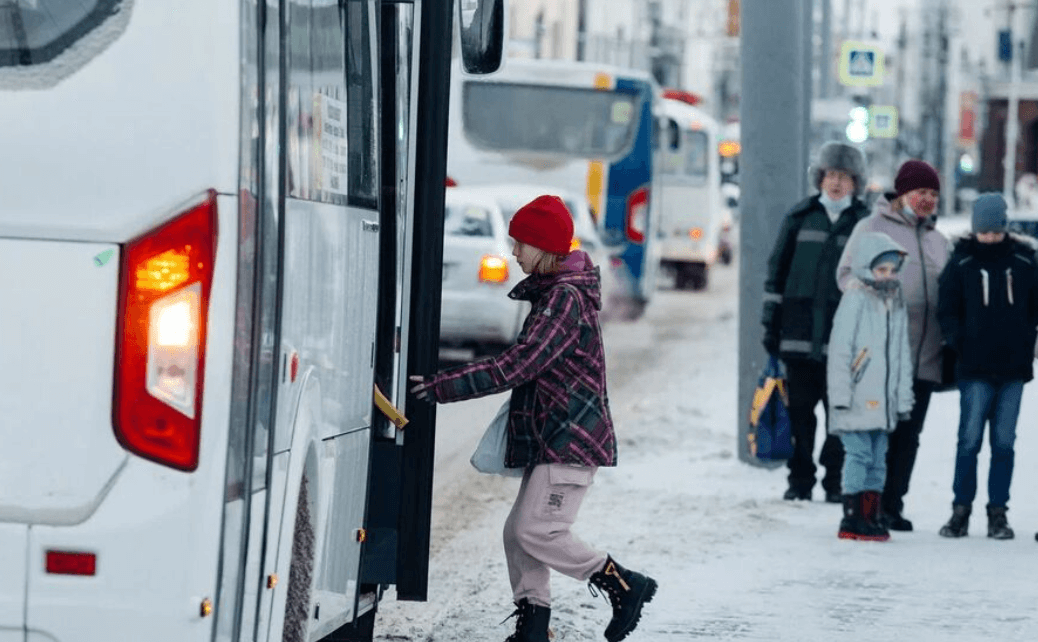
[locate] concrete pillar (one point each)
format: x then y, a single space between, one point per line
773 115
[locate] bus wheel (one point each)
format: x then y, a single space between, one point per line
301 571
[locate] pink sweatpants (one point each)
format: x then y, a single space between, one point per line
537 532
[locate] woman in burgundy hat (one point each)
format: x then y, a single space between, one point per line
559 427
909 216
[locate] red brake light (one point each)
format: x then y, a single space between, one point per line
69 563
637 213
165 279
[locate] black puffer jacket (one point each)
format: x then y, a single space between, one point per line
800 292
988 308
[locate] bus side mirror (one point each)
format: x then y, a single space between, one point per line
481 24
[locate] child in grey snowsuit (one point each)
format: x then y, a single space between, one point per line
870 379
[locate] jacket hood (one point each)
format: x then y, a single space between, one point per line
577 269
883 208
970 246
866 249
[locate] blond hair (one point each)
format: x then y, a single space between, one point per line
548 263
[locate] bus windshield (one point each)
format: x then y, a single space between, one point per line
576 122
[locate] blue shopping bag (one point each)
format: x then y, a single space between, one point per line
770 433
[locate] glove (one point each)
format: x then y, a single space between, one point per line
904 416
771 342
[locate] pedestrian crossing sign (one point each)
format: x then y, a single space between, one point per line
883 121
861 64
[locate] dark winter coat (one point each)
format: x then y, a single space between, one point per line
988 308
559 410
800 292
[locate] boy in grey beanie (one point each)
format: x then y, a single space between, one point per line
988 310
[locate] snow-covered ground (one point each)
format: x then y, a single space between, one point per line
733 560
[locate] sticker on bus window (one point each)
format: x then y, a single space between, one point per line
621 112
329 151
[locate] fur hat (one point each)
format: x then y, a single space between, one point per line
843 158
915 174
545 223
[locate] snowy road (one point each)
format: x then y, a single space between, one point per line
733 560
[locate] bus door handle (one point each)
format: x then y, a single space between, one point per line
369 226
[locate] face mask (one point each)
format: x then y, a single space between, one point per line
832 205
884 287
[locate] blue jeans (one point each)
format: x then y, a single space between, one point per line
864 461
983 402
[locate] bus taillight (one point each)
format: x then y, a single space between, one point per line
637 214
165 278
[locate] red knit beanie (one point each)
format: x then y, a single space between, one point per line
544 223
915 174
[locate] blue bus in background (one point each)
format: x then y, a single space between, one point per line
575 126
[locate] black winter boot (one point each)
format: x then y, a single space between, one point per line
531 622
627 592
794 493
871 501
998 525
854 525
958 525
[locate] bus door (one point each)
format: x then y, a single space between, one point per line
329 301
305 455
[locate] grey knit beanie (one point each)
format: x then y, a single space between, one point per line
989 214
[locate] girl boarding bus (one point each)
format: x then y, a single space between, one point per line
596 137
220 237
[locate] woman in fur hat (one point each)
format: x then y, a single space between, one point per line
800 299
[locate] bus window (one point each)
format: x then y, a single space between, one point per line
55 37
33 33
584 123
672 162
696 154
331 106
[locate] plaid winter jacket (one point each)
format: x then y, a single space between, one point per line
559 410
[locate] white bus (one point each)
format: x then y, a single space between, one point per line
576 126
693 214
220 229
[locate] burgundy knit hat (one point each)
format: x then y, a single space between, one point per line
915 174
544 223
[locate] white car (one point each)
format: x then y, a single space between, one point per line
510 197
478 273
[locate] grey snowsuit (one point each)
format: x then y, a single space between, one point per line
869 372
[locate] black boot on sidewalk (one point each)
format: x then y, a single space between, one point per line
871 500
627 592
959 524
998 525
854 524
531 622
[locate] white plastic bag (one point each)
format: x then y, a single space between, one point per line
489 457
